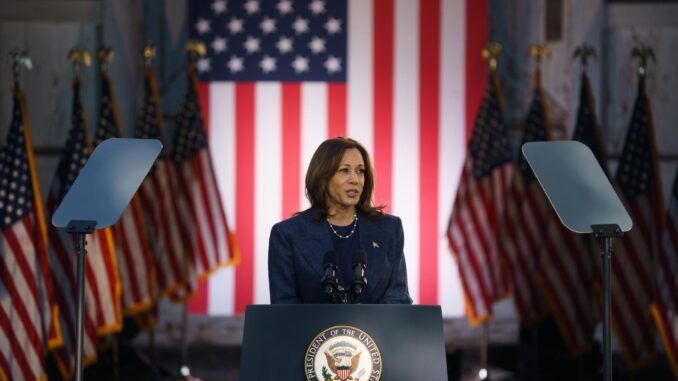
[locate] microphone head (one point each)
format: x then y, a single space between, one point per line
359 257
330 258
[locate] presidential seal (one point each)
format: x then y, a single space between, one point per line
342 353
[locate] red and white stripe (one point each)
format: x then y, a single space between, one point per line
102 312
135 261
527 212
665 308
24 311
62 259
568 260
103 281
212 242
28 325
473 234
102 286
158 194
415 79
566 273
633 280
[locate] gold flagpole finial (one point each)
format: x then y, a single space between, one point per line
491 53
149 53
644 53
584 52
538 52
78 57
18 58
195 48
106 56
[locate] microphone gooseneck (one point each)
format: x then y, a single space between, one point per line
329 283
329 280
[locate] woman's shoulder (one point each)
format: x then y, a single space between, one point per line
388 220
296 221
391 218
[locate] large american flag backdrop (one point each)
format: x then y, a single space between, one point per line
403 77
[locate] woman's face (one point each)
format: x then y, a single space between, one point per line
346 186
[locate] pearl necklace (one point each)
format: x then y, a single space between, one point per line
347 236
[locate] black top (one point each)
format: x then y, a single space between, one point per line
345 247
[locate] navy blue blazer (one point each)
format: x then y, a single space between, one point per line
297 247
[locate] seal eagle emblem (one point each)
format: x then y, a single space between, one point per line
343 353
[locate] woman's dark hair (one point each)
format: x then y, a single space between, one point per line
325 163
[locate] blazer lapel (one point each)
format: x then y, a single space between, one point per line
375 250
315 243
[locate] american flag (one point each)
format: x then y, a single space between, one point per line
404 78
27 308
665 306
159 202
568 260
474 225
527 212
102 290
135 259
634 257
212 243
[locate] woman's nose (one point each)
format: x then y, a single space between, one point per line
353 177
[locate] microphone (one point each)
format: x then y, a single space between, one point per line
329 281
359 266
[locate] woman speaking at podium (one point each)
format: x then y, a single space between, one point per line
342 248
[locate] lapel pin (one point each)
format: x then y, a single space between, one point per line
375 245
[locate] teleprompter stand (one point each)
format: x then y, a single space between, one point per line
585 202
97 198
604 233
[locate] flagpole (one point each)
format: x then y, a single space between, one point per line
185 370
483 373
194 48
491 53
116 358
539 52
80 228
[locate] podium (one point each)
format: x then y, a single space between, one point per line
350 342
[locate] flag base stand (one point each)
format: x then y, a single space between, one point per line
605 233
